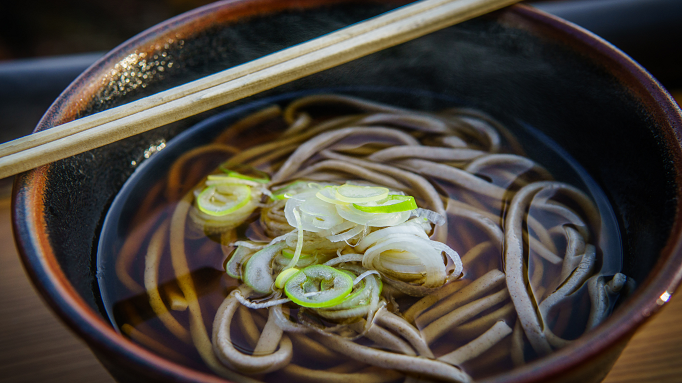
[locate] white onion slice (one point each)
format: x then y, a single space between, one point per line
364 275
350 193
431 216
218 179
406 249
344 258
346 235
374 237
429 257
372 219
318 208
283 237
452 254
299 242
343 226
402 268
315 214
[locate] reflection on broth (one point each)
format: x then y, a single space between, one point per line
338 238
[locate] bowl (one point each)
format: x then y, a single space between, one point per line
604 110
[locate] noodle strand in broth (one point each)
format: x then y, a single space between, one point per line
339 223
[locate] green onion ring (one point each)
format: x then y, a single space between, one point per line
318 286
405 203
234 197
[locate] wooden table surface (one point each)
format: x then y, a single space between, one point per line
36 347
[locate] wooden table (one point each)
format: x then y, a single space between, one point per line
36 347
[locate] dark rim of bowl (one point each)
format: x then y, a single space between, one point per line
41 264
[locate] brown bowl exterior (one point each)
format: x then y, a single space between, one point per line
59 208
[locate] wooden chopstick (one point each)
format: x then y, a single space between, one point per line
384 31
212 80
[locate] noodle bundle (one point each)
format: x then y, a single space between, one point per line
369 242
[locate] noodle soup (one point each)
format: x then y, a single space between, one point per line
331 237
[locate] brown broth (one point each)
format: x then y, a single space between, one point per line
127 302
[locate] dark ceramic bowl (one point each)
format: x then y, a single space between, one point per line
605 110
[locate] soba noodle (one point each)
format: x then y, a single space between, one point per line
341 236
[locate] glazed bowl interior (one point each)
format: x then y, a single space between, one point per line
521 66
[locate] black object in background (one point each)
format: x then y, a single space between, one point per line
650 31
29 86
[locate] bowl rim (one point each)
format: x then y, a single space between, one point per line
39 259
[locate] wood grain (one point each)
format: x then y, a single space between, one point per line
655 352
34 345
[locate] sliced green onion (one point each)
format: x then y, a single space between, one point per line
315 215
360 194
220 179
223 199
350 213
299 241
243 177
281 193
258 270
245 172
393 204
283 261
431 216
288 253
361 296
356 297
284 276
328 194
345 236
319 286
317 208
239 257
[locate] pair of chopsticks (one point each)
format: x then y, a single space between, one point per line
381 32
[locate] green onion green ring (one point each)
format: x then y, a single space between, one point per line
318 286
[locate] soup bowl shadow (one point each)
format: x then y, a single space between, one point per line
517 64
